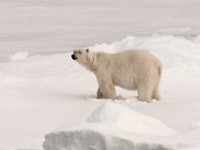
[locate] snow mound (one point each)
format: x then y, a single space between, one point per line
180 57
18 56
111 126
194 125
124 118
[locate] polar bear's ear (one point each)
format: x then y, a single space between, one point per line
87 50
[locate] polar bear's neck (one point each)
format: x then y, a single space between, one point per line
91 62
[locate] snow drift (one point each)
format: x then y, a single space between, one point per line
120 117
50 83
45 92
112 123
179 56
18 56
114 126
104 129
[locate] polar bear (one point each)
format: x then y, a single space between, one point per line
132 70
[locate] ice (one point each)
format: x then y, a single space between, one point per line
116 126
54 85
43 27
194 125
89 140
19 55
112 120
45 97
124 118
184 53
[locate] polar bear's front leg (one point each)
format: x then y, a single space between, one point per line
108 90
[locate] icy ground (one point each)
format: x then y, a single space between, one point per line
49 100
53 97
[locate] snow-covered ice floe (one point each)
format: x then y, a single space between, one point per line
110 126
114 126
180 56
50 84
118 117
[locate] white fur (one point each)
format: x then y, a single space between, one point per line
132 70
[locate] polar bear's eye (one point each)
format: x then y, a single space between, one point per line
79 52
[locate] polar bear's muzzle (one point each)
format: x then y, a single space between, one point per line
74 57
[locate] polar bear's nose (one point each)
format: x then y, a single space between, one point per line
73 57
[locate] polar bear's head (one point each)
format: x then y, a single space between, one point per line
80 55
84 57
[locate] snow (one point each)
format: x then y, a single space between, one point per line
47 101
127 119
184 53
194 125
123 118
52 95
19 55
52 26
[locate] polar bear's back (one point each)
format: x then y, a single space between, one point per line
134 55
130 67
135 59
